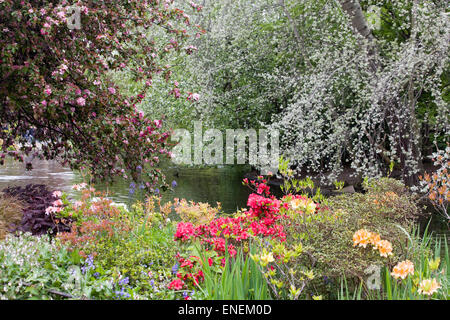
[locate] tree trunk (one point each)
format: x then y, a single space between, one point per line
359 23
353 9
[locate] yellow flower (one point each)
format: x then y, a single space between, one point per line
317 297
309 274
266 258
402 269
254 257
311 207
294 291
384 247
428 286
361 237
434 264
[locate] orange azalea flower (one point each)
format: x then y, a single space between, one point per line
402 269
374 238
391 195
384 247
428 286
362 238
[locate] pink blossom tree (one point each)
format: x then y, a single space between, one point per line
56 61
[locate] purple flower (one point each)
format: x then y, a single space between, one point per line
122 293
174 184
132 187
124 281
88 264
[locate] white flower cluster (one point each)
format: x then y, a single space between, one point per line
21 256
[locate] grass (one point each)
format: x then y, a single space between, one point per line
239 279
10 214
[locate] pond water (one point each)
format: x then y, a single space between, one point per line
210 185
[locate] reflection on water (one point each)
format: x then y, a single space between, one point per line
200 185
49 173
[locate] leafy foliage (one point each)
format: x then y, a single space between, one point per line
37 268
56 87
239 279
35 218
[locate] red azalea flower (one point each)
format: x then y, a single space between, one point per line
176 284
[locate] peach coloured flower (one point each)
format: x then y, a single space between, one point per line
362 238
52 210
77 204
391 195
384 247
79 187
57 194
428 286
57 203
374 238
403 269
305 205
297 203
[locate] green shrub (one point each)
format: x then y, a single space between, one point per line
136 244
144 255
326 236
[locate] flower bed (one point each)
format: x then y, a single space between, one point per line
292 247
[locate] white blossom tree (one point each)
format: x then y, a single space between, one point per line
359 98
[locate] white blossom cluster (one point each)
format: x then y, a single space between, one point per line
343 106
22 257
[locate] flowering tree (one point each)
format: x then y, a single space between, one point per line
241 67
57 89
372 88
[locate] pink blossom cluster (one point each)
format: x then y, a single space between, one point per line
57 205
